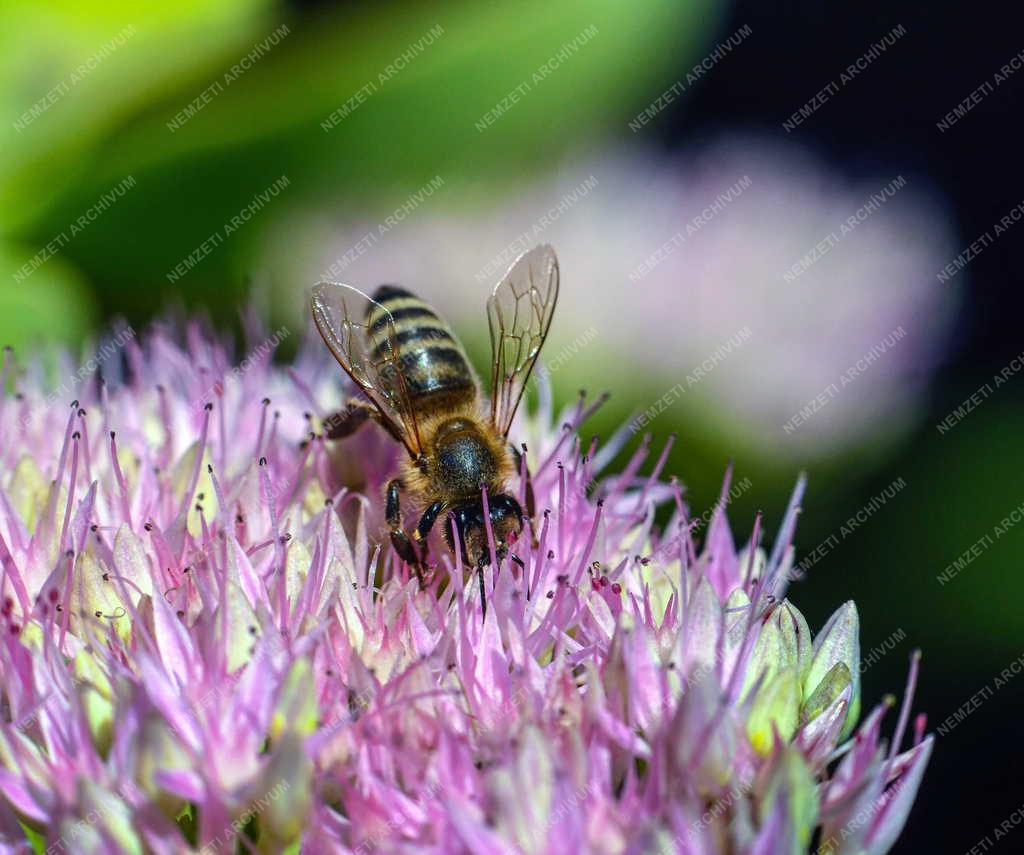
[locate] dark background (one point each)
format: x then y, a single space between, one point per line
958 485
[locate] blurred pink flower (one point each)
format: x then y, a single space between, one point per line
797 310
202 647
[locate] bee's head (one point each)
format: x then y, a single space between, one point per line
506 524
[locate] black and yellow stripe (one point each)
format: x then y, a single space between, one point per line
433 362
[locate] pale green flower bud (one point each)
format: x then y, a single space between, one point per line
838 642
776 708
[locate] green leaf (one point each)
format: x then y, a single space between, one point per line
35 838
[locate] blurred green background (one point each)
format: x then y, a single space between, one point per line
266 122
90 93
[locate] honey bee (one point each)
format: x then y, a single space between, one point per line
416 382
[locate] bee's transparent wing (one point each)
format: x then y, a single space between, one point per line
368 353
519 315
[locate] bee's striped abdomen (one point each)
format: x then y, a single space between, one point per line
432 360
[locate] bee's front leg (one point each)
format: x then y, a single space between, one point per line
426 523
399 539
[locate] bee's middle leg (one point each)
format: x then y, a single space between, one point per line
347 420
353 416
399 539
531 503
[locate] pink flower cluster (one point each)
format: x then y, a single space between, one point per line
207 645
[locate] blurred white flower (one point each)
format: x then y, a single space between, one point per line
749 282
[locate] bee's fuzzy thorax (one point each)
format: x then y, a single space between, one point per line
425 487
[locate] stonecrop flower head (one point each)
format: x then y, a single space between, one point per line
207 644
